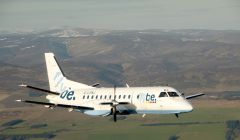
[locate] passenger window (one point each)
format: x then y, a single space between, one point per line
119 97
83 96
172 94
110 96
101 97
88 97
92 96
124 96
138 97
129 96
96 96
105 97
163 94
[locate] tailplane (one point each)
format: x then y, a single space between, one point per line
57 79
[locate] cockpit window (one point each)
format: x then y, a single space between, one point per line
163 94
173 94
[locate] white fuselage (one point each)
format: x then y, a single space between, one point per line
142 100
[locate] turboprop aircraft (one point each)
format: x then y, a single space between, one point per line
96 101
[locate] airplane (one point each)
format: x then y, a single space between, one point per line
101 101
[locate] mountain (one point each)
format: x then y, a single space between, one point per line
190 60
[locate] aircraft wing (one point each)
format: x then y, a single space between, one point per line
40 89
194 96
111 103
59 105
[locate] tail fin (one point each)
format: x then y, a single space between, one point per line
57 80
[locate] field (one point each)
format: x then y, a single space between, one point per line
208 121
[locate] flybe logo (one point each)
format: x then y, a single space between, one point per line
59 80
150 98
68 95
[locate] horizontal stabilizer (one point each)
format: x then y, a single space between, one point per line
194 96
59 105
40 89
95 85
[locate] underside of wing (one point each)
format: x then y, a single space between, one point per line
40 89
111 103
57 105
194 96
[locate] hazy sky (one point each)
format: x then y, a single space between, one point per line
120 14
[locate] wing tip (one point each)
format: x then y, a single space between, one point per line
19 100
22 85
194 96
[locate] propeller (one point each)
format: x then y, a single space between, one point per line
114 105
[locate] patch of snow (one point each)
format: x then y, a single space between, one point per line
149 33
190 39
10 46
100 32
1 39
100 52
137 39
69 33
28 47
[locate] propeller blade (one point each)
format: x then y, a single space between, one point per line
114 93
123 103
114 111
115 117
106 103
114 105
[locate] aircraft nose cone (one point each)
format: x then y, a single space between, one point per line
185 107
189 108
